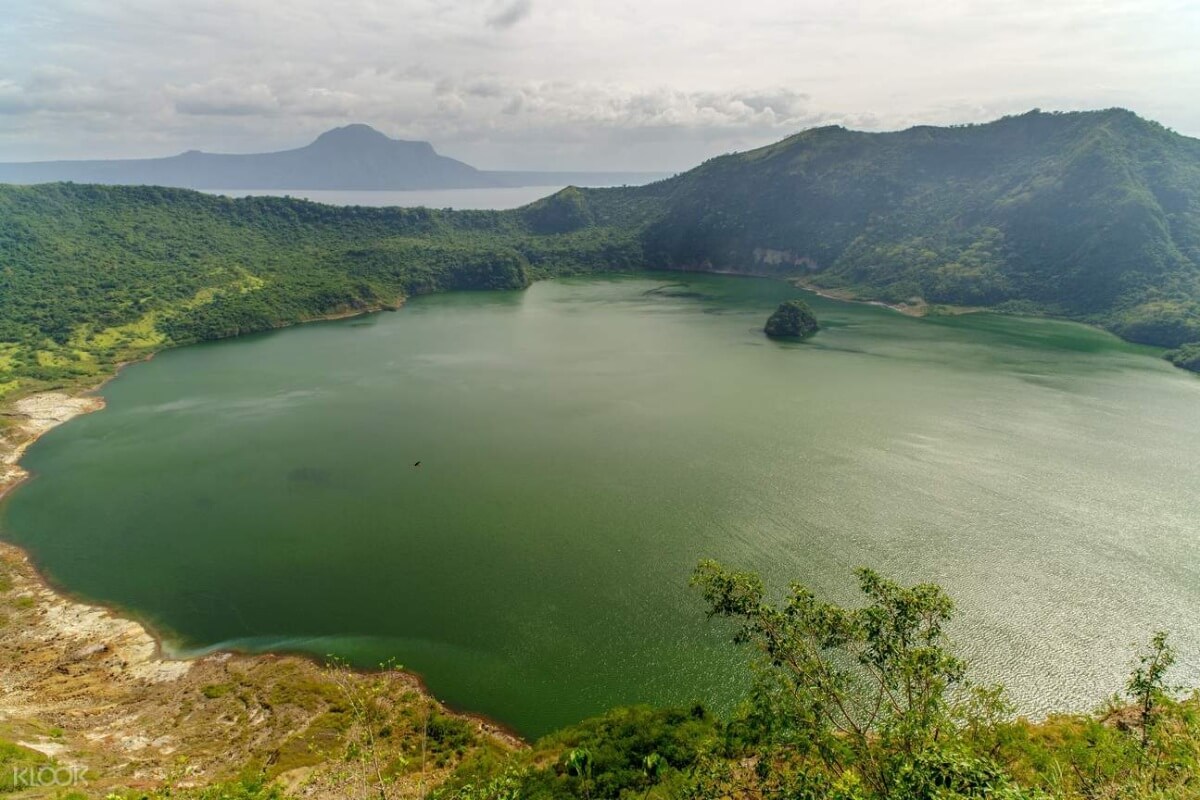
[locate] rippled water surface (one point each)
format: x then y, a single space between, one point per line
585 442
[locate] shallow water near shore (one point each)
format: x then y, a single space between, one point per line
584 443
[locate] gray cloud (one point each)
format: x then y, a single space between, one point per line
225 99
511 14
572 84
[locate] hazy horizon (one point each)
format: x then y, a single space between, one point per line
613 170
573 85
299 145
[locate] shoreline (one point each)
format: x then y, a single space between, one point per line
846 297
918 310
116 664
89 687
164 653
42 412
38 414
68 403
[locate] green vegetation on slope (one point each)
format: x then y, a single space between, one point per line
868 702
861 703
1187 356
94 275
19 766
1091 215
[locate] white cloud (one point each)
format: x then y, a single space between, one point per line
574 83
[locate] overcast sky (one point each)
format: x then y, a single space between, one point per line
617 84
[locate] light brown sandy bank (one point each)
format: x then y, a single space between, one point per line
917 307
28 419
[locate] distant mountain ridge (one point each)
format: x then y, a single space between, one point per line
351 157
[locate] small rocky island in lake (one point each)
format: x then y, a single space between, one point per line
793 319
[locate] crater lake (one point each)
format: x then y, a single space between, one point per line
583 443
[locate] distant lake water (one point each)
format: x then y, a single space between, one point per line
462 199
584 443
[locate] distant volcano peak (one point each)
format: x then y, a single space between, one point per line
352 157
356 135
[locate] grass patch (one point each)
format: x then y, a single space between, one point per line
49 358
215 690
252 787
13 759
322 740
139 334
297 688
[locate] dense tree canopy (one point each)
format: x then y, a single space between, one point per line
93 275
1091 215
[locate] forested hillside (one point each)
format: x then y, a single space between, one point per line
1093 216
94 275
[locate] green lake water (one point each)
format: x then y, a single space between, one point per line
583 443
